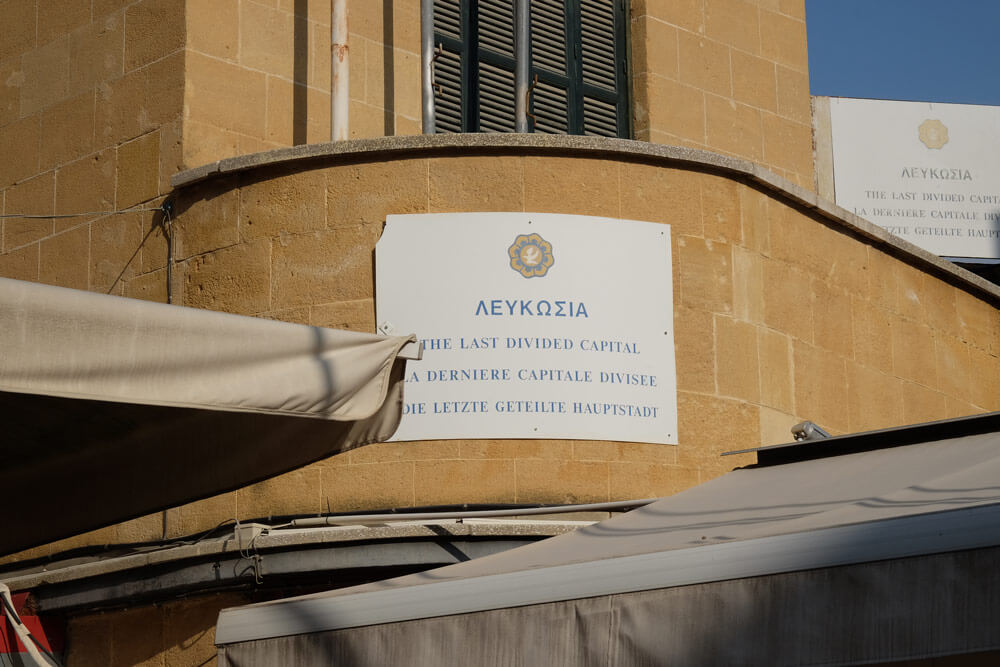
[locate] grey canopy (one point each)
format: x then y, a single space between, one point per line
113 408
873 547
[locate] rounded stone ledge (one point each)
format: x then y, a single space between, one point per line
430 145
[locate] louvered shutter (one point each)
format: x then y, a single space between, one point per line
576 52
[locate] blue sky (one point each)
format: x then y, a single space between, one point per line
924 50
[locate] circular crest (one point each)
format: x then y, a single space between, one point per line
531 255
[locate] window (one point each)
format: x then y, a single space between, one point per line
577 53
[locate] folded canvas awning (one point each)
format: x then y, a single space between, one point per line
867 548
111 408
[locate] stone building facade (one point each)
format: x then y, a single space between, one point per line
786 307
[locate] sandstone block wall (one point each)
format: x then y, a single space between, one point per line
731 76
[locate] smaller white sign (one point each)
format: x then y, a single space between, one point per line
534 325
927 172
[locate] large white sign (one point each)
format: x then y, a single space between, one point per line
927 172
534 325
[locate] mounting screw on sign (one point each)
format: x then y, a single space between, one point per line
386 328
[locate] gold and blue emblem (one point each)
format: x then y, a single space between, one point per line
531 255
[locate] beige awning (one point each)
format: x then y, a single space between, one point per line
112 408
875 547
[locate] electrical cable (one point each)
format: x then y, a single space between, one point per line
57 216
22 631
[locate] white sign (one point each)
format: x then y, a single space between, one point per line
927 172
534 325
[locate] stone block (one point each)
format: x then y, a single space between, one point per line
985 379
67 131
296 114
733 128
720 208
34 196
323 266
11 80
882 280
910 294
20 264
87 186
706 274
776 380
788 145
686 14
709 426
979 322
171 152
298 315
733 22
164 86
153 255
96 53
406 91
356 315
664 105
954 367
754 81
794 8
498 184
659 194
149 287
121 104
137 637
114 250
226 95
939 302
821 394
872 335
636 452
875 399
204 143
423 450
89 640
213 28
754 211
105 7
153 29
19 20
921 404
46 76
649 480
138 170
654 47
694 343
793 95
206 218
783 40
367 20
189 628
267 40
374 83
355 193
368 486
56 19
278 203
738 364
776 427
833 328
913 352
748 286
788 304
487 449
704 64
544 449
366 121
295 492
233 279
20 138
564 482
63 259
472 481
319 56
143 529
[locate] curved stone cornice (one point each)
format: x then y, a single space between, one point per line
435 145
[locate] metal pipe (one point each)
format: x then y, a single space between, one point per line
368 519
427 64
522 30
340 76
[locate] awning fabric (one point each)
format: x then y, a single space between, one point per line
879 554
112 408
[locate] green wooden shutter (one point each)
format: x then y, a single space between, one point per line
577 52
